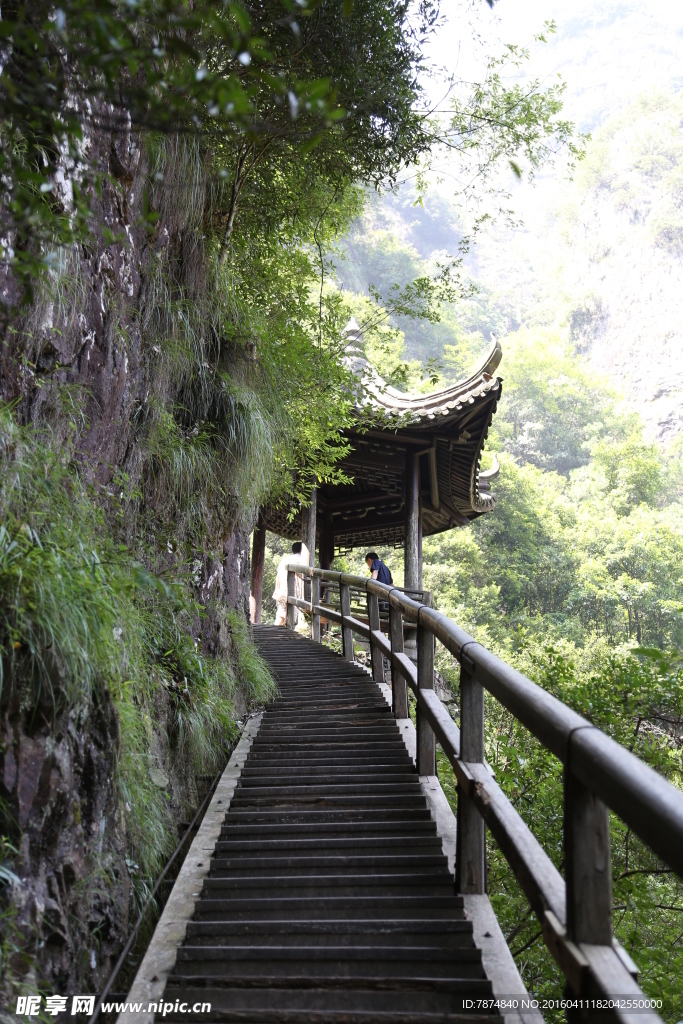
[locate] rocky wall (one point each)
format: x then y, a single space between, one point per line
79 356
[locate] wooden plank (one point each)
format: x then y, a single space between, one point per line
381 643
609 979
354 501
391 461
357 626
329 613
567 954
402 663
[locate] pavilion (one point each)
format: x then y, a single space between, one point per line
415 472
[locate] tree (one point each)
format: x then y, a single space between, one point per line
259 85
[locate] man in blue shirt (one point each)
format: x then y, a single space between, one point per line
377 567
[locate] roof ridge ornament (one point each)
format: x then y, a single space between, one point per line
354 358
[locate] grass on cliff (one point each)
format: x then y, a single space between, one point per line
80 616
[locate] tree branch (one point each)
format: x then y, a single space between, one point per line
645 871
526 945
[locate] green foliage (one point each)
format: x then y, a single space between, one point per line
638 700
553 407
519 123
260 86
632 470
57 608
593 551
80 616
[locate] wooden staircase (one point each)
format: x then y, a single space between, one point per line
329 898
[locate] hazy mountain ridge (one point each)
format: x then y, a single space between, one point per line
600 257
602 261
623 242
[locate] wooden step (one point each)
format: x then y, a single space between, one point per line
328 899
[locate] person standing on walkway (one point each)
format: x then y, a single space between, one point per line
379 570
280 592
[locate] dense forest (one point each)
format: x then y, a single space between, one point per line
193 203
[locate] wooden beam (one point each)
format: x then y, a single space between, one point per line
390 435
365 522
351 501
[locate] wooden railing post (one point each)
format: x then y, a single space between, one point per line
470 858
426 741
587 864
291 592
399 687
375 653
347 632
315 616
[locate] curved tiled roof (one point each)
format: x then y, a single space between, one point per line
446 428
439 403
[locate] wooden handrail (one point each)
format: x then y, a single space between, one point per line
599 774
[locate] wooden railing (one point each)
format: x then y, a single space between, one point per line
599 775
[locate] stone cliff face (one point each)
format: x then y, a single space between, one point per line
58 785
78 361
86 333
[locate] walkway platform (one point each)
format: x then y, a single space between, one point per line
329 894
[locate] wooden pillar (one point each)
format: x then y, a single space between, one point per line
315 616
426 741
376 655
326 555
326 543
470 858
347 632
399 687
411 557
308 527
588 865
292 612
258 557
419 542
